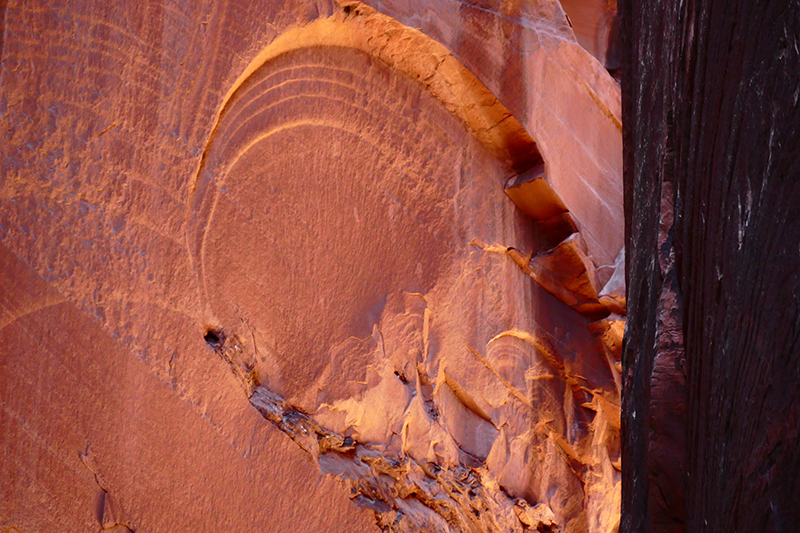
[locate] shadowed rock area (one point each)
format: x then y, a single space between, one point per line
308 266
711 360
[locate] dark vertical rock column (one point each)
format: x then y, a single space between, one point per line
711 407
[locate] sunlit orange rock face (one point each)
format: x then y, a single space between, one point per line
301 266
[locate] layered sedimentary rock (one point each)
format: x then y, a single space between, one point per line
263 259
711 361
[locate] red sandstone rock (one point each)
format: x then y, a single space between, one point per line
596 28
287 202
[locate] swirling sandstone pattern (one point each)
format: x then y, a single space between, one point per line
333 221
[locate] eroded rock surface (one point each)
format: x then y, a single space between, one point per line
711 359
305 217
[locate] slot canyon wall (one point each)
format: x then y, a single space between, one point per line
711 409
310 266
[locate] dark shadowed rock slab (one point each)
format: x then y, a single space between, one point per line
711 365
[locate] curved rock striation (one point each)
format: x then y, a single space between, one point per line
330 214
402 368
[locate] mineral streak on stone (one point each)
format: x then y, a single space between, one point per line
258 262
711 363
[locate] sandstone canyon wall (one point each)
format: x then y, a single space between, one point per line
711 407
308 266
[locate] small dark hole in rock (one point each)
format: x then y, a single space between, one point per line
213 338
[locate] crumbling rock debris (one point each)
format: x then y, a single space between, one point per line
539 517
410 492
407 496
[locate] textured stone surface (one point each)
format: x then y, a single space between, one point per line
304 205
711 360
525 53
85 421
596 28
